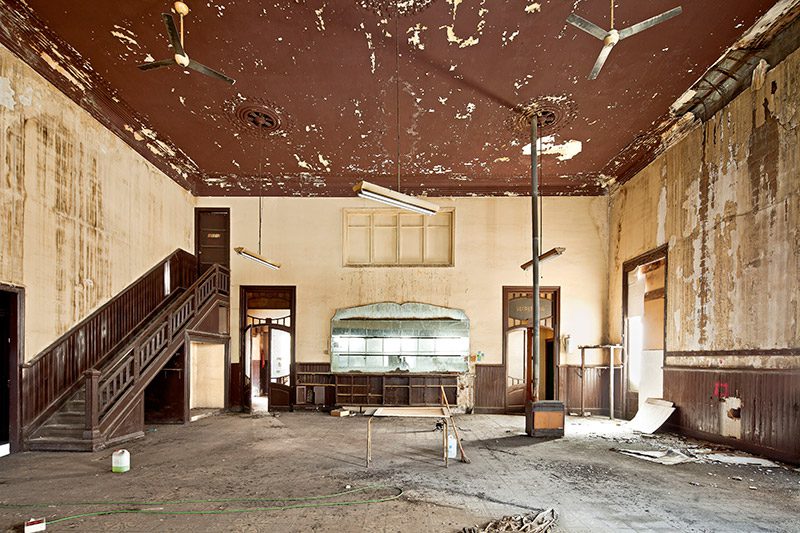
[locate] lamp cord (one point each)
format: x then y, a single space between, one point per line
260 197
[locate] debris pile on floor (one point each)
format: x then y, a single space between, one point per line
674 456
535 522
665 457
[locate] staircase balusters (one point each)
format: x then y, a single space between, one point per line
104 391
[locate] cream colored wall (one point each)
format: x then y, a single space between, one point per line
207 371
492 240
727 201
83 215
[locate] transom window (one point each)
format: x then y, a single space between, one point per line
393 237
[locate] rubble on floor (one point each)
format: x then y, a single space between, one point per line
666 448
536 522
664 457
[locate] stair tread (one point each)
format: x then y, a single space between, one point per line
63 438
58 435
64 429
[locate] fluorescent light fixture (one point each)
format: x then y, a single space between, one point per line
552 252
252 256
387 196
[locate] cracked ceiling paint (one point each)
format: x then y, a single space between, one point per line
329 69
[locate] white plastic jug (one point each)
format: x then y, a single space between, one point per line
452 447
120 461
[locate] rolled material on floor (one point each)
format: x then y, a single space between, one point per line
652 415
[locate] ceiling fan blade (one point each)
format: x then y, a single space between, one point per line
589 27
601 59
649 23
199 67
156 64
172 33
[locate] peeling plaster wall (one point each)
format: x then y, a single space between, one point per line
492 241
727 201
83 215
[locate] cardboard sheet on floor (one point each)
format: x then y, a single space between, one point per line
664 457
740 460
651 415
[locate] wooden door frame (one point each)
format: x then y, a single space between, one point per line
197 211
205 338
662 252
243 290
16 357
556 291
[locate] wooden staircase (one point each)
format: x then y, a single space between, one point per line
104 404
64 430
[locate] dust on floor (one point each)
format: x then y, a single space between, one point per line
309 454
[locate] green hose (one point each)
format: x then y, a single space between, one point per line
315 499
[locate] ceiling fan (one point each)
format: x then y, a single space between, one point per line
611 37
181 58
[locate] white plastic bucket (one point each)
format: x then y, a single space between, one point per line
120 461
452 447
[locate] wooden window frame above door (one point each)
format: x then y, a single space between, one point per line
17 356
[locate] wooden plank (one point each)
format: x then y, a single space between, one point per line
412 412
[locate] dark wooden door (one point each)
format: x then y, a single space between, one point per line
279 368
212 237
5 364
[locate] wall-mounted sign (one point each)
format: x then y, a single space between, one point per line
522 308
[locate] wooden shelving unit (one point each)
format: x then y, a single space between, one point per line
376 389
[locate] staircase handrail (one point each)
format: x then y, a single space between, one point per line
56 372
105 388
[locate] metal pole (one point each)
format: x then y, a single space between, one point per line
612 352
535 355
583 373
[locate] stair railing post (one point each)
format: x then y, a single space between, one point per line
92 404
136 363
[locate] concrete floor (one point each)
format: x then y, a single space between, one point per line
302 454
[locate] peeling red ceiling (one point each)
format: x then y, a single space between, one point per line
331 72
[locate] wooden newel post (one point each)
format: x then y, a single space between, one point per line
92 403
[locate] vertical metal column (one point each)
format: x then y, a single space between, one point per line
583 373
611 353
535 355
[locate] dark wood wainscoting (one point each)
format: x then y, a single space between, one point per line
595 391
490 388
770 410
235 387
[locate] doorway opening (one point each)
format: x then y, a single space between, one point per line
267 345
11 313
165 396
208 375
517 345
644 305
